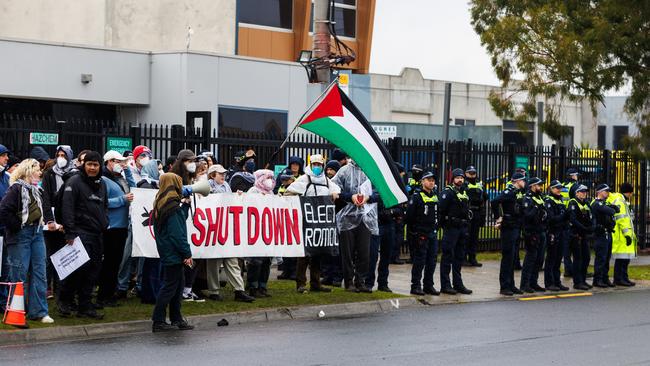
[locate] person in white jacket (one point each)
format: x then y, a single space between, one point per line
313 183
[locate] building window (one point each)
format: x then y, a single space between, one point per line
345 17
266 124
520 134
464 122
470 122
620 132
602 137
567 140
269 13
459 122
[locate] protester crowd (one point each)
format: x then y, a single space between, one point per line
48 202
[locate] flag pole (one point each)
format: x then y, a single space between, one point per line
275 154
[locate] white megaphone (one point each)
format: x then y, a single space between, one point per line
200 187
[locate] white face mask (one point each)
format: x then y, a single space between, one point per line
61 162
144 161
117 168
268 184
191 167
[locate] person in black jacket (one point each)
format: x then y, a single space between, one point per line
556 237
53 179
243 180
535 222
582 228
454 218
422 224
605 223
84 212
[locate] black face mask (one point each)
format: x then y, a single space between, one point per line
471 180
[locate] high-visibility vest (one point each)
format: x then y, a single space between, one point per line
566 187
427 199
624 228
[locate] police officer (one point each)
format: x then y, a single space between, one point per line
477 198
414 181
556 237
534 225
506 209
422 226
568 191
582 227
454 217
605 223
520 196
624 239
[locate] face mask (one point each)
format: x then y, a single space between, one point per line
160 172
61 162
36 182
191 167
268 184
250 166
317 170
117 168
144 161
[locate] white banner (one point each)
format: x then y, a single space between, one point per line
227 225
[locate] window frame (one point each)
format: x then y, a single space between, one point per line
341 6
266 27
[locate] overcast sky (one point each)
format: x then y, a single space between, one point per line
433 35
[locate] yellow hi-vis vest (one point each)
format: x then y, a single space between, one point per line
624 228
566 187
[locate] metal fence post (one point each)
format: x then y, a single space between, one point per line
641 229
396 148
607 156
135 133
511 158
177 138
562 162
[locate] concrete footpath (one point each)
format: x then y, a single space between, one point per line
483 281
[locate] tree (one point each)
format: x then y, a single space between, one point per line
573 49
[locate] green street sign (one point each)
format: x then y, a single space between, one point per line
279 168
521 161
42 138
119 144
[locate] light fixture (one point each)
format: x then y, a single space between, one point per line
305 56
86 78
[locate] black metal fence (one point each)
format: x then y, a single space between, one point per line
494 162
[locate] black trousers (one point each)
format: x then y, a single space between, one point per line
472 241
509 239
81 282
554 253
534 259
171 290
620 270
603 251
314 264
54 240
355 252
453 251
259 269
114 242
581 257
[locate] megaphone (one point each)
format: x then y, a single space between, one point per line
200 187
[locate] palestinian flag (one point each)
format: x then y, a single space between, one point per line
335 118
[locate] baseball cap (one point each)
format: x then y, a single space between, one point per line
141 149
113 155
216 168
317 158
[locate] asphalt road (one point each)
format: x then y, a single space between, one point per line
605 329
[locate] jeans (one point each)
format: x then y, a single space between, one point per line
534 259
124 273
82 281
424 249
259 269
554 249
581 257
4 290
453 251
381 248
509 239
114 241
170 295
603 249
355 250
26 260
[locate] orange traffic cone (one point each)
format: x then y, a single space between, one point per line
15 313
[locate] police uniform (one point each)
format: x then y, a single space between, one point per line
477 198
605 223
422 224
506 207
454 218
413 184
581 227
555 239
568 192
534 225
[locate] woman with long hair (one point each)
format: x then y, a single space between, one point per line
21 210
170 213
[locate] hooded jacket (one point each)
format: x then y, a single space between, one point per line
311 185
287 171
118 206
39 153
84 206
53 180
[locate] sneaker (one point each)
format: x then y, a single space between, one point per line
162 327
188 297
243 296
45 320
182 325
50 294
192 297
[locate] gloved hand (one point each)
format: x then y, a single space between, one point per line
628 241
